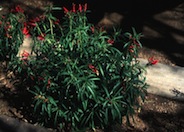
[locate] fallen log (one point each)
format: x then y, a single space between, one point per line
165 80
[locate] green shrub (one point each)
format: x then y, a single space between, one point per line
79 79
11 36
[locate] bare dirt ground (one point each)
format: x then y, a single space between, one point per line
157 113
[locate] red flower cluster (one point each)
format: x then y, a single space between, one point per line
134 44
18 9
81 8
25 55
25 30
152 61
93 68
30 24
33 21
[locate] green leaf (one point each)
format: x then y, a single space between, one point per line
52 101
85 104
90 89
38 103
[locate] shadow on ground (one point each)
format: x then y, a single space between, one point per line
157 121
8 124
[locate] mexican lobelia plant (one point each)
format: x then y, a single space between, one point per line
79 79
11 36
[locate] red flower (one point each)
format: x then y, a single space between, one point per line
110 41
56 22
19 9
136 43
25 55
8 35
25 31
92 29
65 10
131 48
80 8
74 10
8 26
41 37
48 83
85 7
152 61
93 68
33 22
36 19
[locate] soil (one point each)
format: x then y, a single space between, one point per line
157 113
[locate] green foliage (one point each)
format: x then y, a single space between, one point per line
11 36
79 79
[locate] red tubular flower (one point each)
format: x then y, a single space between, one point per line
110 41
65 10
85 7
41 37
25 55
131 48
8 26
19 9
33 22
152 61
36 19
73 10
92 29
136 43
25 31
48 83
80 8
8 35
93 68
56 22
